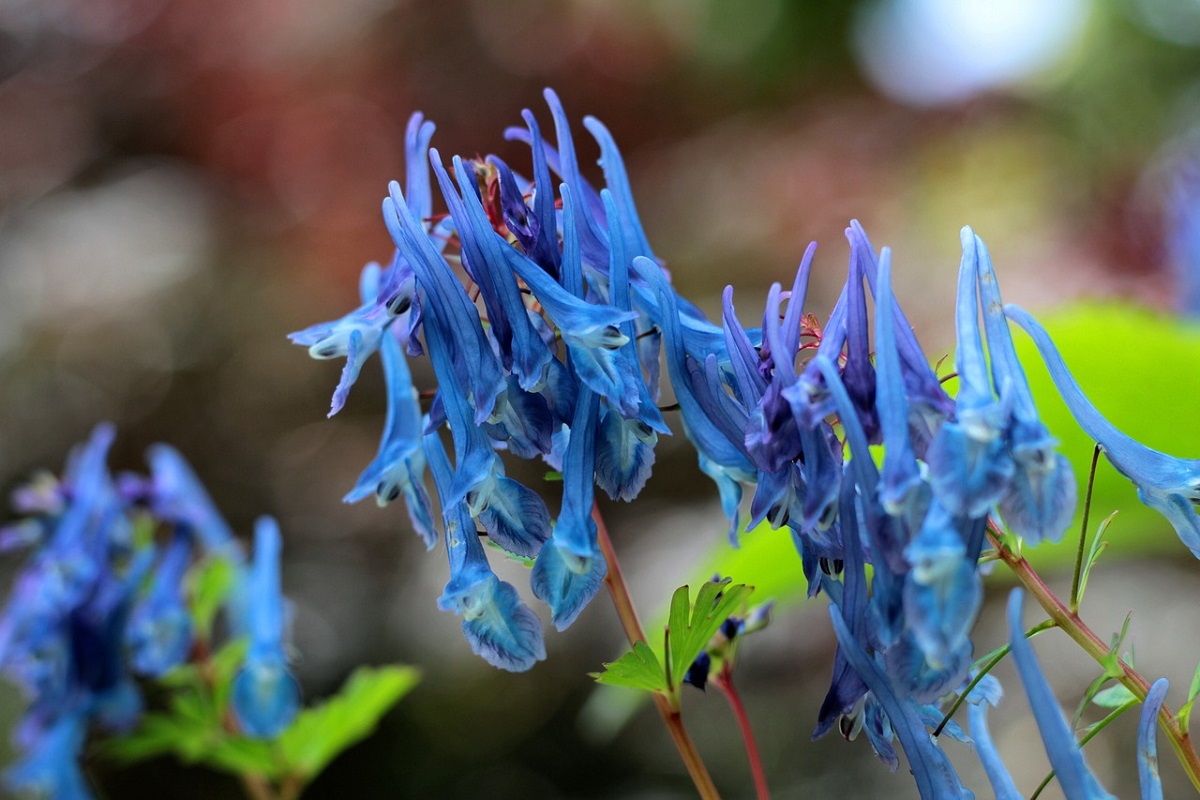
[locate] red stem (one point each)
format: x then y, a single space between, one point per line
724 682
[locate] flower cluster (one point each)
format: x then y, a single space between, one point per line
102 600
548 344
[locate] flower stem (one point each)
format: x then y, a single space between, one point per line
617 588
724 681
1074 627
1087 508
256 788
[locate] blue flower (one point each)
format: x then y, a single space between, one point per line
265 694
399 467
522 349
498 626
1065 756
987 692
1040 501
721 459
50 768
1148 777
970 468
160 628
178 497
443 298
1171 486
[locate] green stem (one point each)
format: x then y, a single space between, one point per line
1074 627
724 681
1083 526
1087 737
617 588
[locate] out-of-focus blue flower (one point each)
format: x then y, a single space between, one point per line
988 693
969 467
1040 501
265 694
1171 486
50 768
1063 750
177 496
160 628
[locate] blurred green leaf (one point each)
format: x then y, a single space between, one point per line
241 755
320 733
637 669
1114 697
209 583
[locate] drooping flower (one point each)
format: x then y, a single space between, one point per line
265 694
1171 486
499 627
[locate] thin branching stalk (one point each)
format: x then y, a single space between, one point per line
669 711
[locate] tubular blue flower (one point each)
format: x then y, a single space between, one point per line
902 492
514 516
720 459
970 469
444 300
929 405
1148 777
1040 501
846 688
571 567
383 294
521 348
160 627
931 768
858 374
399 468
178 497
626 222
1171 486
625 447
1065 756
569 570
500 628
588 219
265 695
820 451
977 705
592 333
353 337
51 767
942 593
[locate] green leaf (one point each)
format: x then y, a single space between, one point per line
1093 690
1099 545
1114 697
691 626
637 669
209 583
319 734
157 735
241 755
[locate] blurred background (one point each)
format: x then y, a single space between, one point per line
182 183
